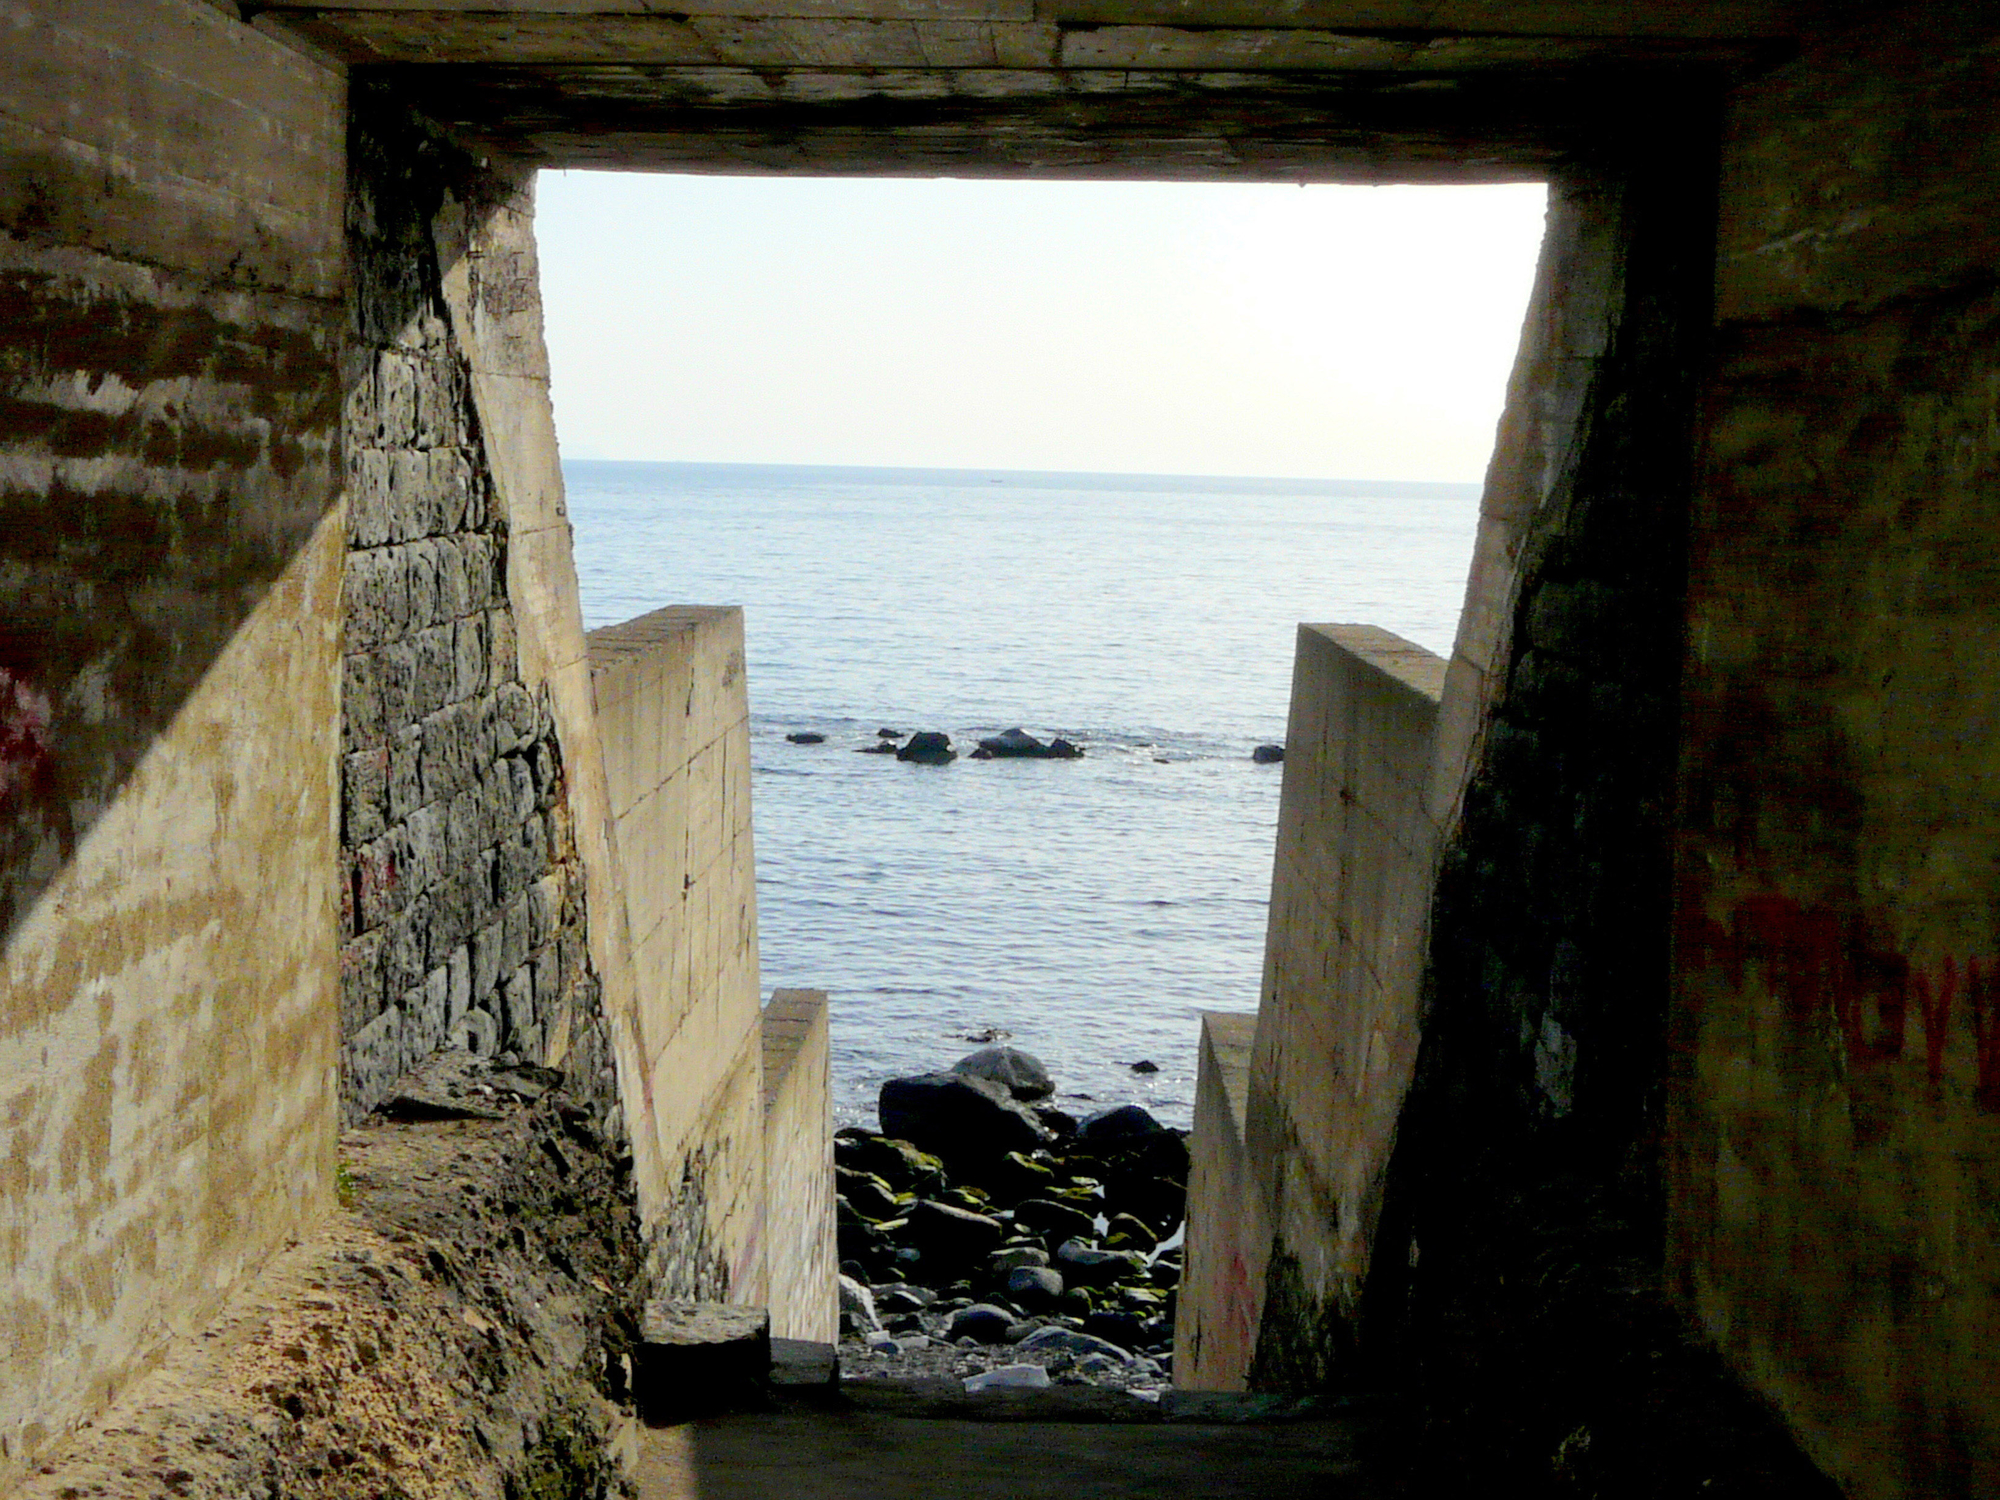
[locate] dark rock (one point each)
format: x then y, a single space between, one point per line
890 734
1158 1202
1014 1257
1121 1328
1125 1232
1058 1221
806 737
1069 1341
1062 749
1058 1122
866 1193
898 1163
1080 1263
949 1238
1145 1065
982 1322
1034 1288
959 1118
1020 1072
1166 1273
1268 755
1013 742
1125 1123
854 1271
980 754
928 748
1018 1175
892 1301
884 747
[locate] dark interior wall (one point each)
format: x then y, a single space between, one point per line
1519 1286
464 908
1835 1162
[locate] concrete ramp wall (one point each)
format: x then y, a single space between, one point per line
1336 1032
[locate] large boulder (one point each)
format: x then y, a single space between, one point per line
928 748
1022 1072
963 1120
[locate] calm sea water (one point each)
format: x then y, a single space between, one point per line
1084 909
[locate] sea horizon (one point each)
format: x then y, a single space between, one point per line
1041 479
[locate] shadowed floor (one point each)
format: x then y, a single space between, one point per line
868 1456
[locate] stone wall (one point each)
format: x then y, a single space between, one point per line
170 547
802 1285
1337 1025
464 910
673 716
1835 1143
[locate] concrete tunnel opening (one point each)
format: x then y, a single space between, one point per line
920 961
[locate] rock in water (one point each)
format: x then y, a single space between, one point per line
1062 749
806 737
1021 1072
1016 741
880 747
887 733
958 1118
1145 1065
928 748
1268 755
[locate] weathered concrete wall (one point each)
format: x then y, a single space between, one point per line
464 912
1835 1150
170 549
803 1262
673 716
1228 1240
1337 1026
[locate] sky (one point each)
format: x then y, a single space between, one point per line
1165 328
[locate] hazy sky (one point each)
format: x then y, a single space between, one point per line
1328 332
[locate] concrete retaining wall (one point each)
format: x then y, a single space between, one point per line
1337 1027
673 717
170 552
804 1263
1228 1239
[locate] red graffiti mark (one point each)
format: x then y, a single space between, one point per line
25 717
1934 1001
1818 961
1982 990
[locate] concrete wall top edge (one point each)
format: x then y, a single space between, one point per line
1414 667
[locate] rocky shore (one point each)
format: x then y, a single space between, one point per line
989 1237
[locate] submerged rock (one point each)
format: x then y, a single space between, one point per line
1015 741
1268 755
807 737
880 747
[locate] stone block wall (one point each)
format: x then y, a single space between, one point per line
1337 1024
801 1258
463 913
1228 1237
170 550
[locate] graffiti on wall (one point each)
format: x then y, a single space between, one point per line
1822 962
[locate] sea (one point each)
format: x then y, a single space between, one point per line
1086 910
